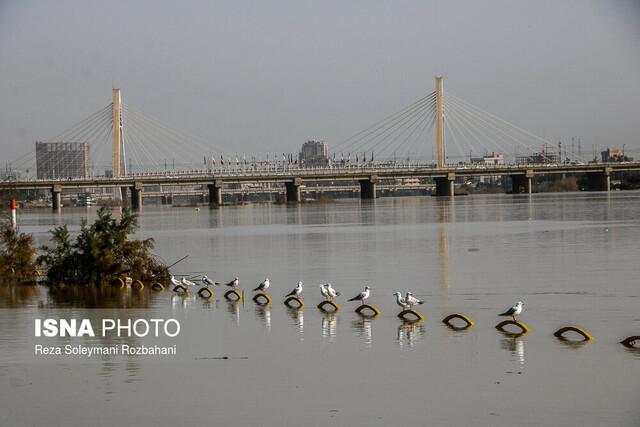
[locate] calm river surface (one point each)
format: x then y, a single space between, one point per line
573 259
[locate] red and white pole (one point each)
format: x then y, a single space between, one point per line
14 220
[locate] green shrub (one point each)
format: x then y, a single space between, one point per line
17 256
101 253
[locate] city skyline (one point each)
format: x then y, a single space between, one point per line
259 78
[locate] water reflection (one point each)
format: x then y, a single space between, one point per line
362 328
233 308
634 351
446 212
99 297
514 344
409 333
263 313
329 326
182 301
12 296
367 211
573 344
133 369
297 316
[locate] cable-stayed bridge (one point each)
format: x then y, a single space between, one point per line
433 137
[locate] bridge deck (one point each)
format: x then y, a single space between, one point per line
283 175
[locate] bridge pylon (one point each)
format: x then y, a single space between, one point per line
118 164
118 168
439 124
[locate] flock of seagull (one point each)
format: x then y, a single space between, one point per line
406 302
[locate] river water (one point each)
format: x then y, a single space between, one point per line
572 258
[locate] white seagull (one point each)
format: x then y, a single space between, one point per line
324 292
362 296
401 301
174 281
263 286
296 291
233 284
411 300
186 282
514 311
208 281
332 292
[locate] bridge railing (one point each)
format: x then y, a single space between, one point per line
287 170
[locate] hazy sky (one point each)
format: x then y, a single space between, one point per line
267 76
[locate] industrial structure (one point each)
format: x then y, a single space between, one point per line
547 155
55 160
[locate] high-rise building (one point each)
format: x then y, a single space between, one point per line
314 153
62 160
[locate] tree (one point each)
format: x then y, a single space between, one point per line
17 256
101 253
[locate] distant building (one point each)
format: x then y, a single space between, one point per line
314 153
546 156
611 155
62 160
489 159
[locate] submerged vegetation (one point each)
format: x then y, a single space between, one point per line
101 253
17 256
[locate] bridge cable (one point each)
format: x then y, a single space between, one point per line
501 134
168 141
346 143
401 127
417 121
460 122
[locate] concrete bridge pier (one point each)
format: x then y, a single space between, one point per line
293 190
445 186
522 183
136 196
56 197
368 187
599 181
215 192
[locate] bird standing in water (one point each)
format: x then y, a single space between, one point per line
332 292
262 287
362 296
411 300
208 281
324 292
401 301
514 311
296 291
187 282
233 284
